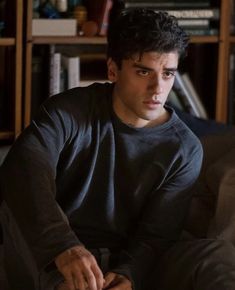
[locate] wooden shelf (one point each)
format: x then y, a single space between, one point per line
7 41
102 40
12 68
204 39
68 40
6 135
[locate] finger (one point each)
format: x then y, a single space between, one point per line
69 281
121 286
79 281
90 279
98 276
109 277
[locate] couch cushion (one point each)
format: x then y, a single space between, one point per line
221 181
217 175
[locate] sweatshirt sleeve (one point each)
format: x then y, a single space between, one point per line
28 185
162 219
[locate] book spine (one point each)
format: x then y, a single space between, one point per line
71 64
183 94
212 13
194 23
201 31
73 72
194 96
104 19
55 64
166 4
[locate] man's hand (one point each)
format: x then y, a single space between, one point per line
80 269
115 281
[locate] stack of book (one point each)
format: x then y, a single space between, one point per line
64 72
184 96
196 17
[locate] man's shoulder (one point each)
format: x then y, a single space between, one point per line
190 142
80 98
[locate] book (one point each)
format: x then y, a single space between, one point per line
169 3
194 96
185 96
98 11
55 67
54 27
197 23
201 31
212 13
174 100
71 64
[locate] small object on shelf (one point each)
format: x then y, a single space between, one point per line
73 3
80 14
36 5
47 10
54 27
89 28
61 5
98 11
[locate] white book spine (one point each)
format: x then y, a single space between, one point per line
72 65
55 64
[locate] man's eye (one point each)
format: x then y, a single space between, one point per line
168 74
143 72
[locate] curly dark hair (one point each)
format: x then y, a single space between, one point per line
142 30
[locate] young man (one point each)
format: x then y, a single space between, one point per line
97 187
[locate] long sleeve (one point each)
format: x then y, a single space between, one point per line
28 185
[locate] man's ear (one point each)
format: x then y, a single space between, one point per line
112 70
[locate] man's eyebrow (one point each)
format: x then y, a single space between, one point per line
138 65
171 68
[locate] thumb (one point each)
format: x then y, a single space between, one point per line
109 277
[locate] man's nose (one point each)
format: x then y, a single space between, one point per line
156 85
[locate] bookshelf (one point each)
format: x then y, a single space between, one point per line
210 78
11 72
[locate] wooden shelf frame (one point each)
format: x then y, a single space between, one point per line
69 40
223 64
18 67
6 135
16 42
7 41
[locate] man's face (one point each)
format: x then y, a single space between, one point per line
142 86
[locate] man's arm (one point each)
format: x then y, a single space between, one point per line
28 187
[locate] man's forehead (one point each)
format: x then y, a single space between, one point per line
172 56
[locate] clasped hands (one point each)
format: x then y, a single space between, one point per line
81 272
